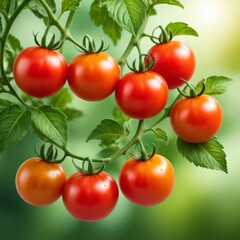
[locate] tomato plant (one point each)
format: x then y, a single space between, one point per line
196 119
174 60
40 183
90 197
147 182
40 72
141 95
93 76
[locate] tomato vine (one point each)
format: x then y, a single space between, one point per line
51 122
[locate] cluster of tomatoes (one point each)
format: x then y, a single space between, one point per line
41 72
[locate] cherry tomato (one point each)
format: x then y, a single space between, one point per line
40 72
147 182
90 197
93 77
197 119
174 60
141 95
40 183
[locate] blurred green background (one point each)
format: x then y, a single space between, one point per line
204 204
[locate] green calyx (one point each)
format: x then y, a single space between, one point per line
87 167
88 45
192 90
52 44
145 63
163 37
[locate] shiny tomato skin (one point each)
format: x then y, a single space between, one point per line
90 197
141 95
174 60
93 77
148 182
197 119
40 72
40 183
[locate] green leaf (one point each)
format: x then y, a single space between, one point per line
209 154
61 99
14 124
215 85
108 131
39 11
160 135
129 14
50 124
72 113
100 17
4 6
109 151
119 116
180 28
4 104
170 2
69 5
13 47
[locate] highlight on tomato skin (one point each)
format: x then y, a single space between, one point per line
40 183
196 119
147 182
141 95
174 61
40 72
90 198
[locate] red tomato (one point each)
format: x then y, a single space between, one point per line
40 183
40 72
197 119
90 197
93 77
141 95
147 182
174 60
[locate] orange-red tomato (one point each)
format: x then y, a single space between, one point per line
40 183
147 182
196 119
94 76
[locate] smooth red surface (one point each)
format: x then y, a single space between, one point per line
141 95
147 182
174 60
196 119
40 72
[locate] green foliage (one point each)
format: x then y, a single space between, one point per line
108 132
169 2
208 154
100 16
160 135
215 85
14 124
51 125
180 28
129 14
69 5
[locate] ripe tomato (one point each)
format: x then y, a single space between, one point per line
141 95
147 182
40 72
40 183
174 60
90 197
197 119
93 77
